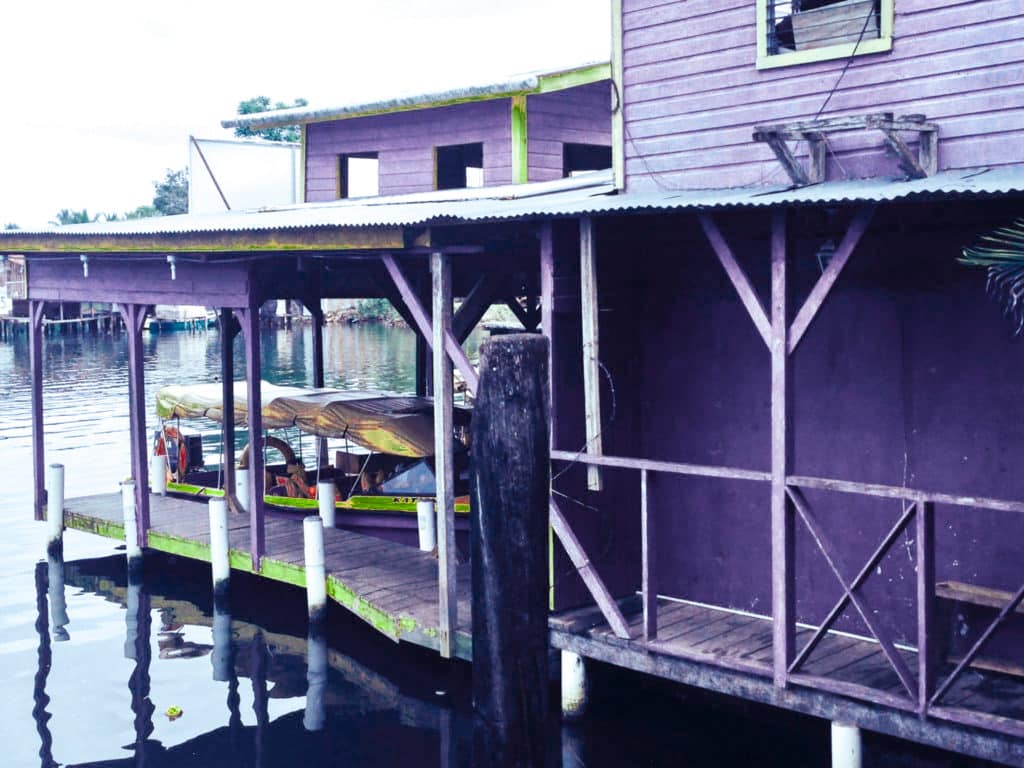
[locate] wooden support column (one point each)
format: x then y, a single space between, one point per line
547 309
249 319
316 311
228 329
926 630
511 487
444 463
591 349
782 529
134 316
35 351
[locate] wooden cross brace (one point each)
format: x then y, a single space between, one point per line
814 132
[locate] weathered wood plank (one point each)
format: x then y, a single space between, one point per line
591 349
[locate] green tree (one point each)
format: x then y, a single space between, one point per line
171 194
67 216
11 225
262 104
142 212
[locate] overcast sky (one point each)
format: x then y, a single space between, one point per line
100 98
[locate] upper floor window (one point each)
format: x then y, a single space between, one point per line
358 175
580 158
460 166
801 31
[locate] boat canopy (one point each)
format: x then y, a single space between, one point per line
399 425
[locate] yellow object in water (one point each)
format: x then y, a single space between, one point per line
173 713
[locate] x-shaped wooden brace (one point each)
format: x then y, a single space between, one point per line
850 593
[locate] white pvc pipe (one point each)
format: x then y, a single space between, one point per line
242 487
574 686
54 504
325 501
316 571
219 559
131 529
846 746
315 716
158 474
426 521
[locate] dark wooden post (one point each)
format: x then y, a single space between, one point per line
926 625
228 329
35 346
511 477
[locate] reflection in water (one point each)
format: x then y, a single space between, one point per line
258 675
316 680
222 657
58 606
138 636
44 659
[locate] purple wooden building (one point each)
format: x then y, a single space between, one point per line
785 418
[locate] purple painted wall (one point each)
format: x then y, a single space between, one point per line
910 375
692 93
405 144
577 115
405 141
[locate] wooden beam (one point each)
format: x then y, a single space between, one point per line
547 312
444 463
423 323
648 568
228 329
591 349
816 155
249 319
783 542
134 317
821 289
517 309
927 631
35 347
605 602
790 164
737 277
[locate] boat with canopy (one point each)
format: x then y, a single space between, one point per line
382 469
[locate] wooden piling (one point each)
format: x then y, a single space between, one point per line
511 482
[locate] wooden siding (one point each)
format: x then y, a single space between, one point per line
577 115
405 144
692 93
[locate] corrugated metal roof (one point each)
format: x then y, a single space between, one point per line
582 195
516 84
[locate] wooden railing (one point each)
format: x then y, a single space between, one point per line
922 692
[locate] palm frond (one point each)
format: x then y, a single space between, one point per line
1002 254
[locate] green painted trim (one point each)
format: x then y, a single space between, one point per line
279 571
302 164
573 78
520 145
880 45
403 504
618 86
174 545
97 526
419 105
380 620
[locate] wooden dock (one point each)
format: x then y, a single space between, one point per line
845 678
391 586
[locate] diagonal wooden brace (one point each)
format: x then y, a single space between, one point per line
424 324
859 601
605 602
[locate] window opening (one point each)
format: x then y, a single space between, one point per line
460 166
800 25
358 175
581 158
